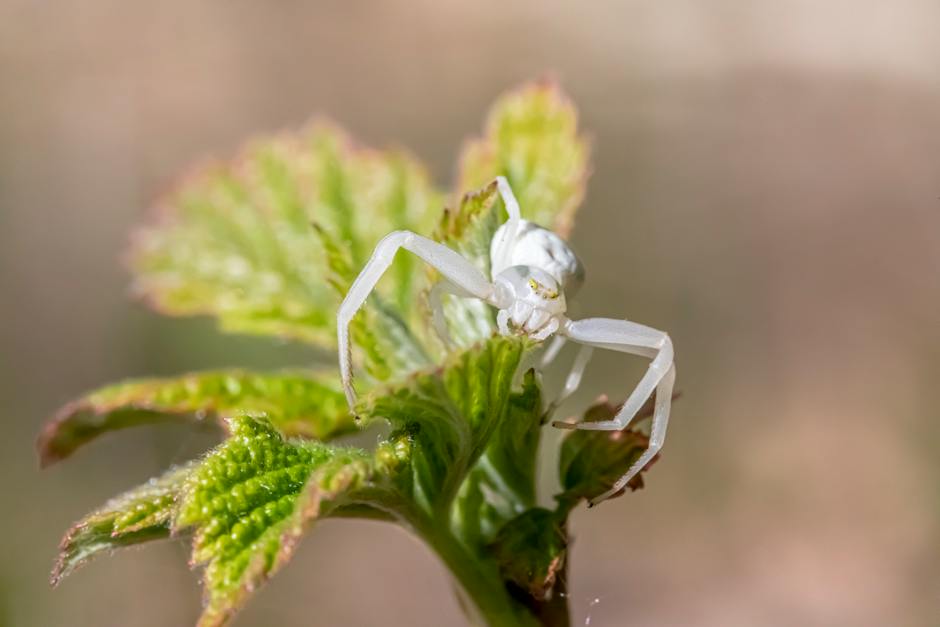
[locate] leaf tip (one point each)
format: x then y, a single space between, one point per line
49 445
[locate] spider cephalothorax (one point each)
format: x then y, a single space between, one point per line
532 270
530 301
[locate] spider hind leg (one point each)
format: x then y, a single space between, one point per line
630 337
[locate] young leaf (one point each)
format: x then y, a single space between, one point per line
501 484
249 501
592 461
531 137
469 230
447 417
236 240
297 403
140 515
531 551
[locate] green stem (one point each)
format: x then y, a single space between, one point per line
483 594
481 584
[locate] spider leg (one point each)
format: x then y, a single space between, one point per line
629 337
455 269
573 381
503 246
657 435
437 308
558 342
545 332
502 322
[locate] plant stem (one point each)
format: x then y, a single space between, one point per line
481 585
483 594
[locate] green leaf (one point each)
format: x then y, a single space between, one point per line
531 137
298 403
447 418
501 484
139 515
236 240
531 550
469 230
592 461
379 330
249 502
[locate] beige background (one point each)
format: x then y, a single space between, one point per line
766 188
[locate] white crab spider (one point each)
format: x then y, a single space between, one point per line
531 269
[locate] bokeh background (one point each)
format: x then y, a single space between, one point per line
766 188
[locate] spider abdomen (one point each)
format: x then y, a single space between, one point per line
537 247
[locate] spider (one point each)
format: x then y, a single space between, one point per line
531 269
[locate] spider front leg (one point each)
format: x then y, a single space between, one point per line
502 247
455 269
436 304
629 337
558 342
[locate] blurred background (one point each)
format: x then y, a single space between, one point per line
766 188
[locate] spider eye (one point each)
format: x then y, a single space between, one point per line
542 290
